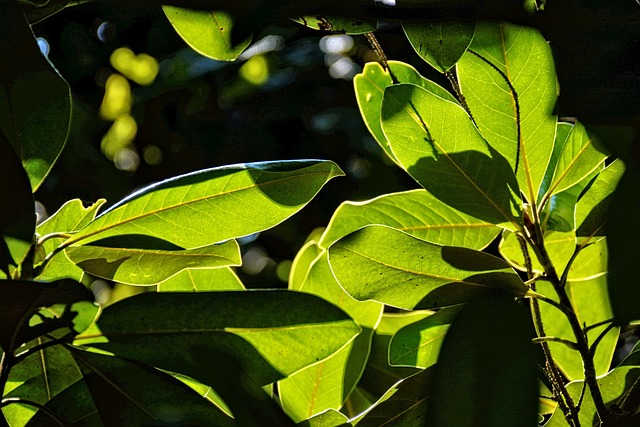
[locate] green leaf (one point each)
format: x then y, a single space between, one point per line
590 302
202 280
436 142
329 418
327 384
127 393
17 218
180 331
369 88
580 157
592 210
392 267
415 212
23 299
148 267
591 262
487 371
403 405
35 101
39 378
563 131
302 263
560 248
418 344
338 24
213 205
206 32
74 405
615 387
508 80
440 44
71 217
321 281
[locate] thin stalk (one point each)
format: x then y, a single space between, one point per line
570 344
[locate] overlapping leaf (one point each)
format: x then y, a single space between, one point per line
418 344
415 212
590 302
213 205
560 248
180 331
437 144
148 267
369 88
302 263
202 280
440 44
508 80
35 101
392 267
206 32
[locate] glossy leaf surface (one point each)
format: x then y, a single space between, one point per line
148 267
392 267
179 331
35 101
436 142
508 80
440 44
369 88
415 212
214 205
202 280
487 370
206 32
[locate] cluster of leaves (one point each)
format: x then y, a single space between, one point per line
400 311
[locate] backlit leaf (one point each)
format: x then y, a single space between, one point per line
338 24
206 32
415 212
148 267
369 88
441 44
560 247
302 263
213 205
389 266
202 280
437 144
508 80
179 331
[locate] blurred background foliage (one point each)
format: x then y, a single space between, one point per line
148 107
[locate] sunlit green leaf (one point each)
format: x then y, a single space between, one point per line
580 156
338 24
205 391
326 384
329 418
437 144
592 210
591 262
418 344
206 32
369 88
321 281
148 267
560 248
202 280
214 205
487 372
615 387
71 216
415 212
302 263
441 44
508 80
35 101
129 393
179 331
39 378
392 267
590 302
563 131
